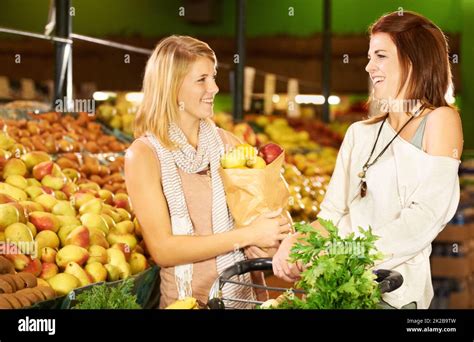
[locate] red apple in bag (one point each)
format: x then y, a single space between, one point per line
270 152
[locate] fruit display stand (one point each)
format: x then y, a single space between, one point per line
144 283
51 304
62 194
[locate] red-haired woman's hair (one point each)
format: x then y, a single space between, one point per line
421 44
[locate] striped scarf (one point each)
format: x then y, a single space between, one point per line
208 154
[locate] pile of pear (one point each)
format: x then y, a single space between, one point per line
87 167
64 137
120 117
67 231
57 133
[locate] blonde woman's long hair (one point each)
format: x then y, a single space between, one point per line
164 74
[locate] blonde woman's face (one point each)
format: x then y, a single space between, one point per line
196 95
384 67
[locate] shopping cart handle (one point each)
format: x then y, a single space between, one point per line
388 280
241 267
245 266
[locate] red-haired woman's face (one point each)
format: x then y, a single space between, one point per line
384 67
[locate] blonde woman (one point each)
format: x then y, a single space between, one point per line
398 171
172 176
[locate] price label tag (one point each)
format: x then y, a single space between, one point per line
269 91
293 90
28 90
4 88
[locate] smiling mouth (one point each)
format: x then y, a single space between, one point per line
377 80
208 101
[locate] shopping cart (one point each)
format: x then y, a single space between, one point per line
388 281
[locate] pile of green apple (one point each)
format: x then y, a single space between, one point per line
69 233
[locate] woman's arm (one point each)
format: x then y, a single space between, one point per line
443 133
143 180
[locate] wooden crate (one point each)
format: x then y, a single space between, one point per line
455 233
452 267
460 300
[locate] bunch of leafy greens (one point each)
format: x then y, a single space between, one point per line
338 273
108 297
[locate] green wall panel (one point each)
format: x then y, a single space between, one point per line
467 73
264 17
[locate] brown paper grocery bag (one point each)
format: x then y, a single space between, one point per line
252 192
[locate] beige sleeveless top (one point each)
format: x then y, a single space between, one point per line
198 195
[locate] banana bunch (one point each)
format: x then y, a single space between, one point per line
269 304
187 303
275 303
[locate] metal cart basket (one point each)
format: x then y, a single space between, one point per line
388 281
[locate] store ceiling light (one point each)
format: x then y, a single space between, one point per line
103 95
134 97
309 99
334 100
449 96
450 100
276 98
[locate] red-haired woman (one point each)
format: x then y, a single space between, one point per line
398 171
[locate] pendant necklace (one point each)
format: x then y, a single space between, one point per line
363 183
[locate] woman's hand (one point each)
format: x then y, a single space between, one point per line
282 267
254 252
269 229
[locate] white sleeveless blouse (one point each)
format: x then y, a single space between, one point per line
411 196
